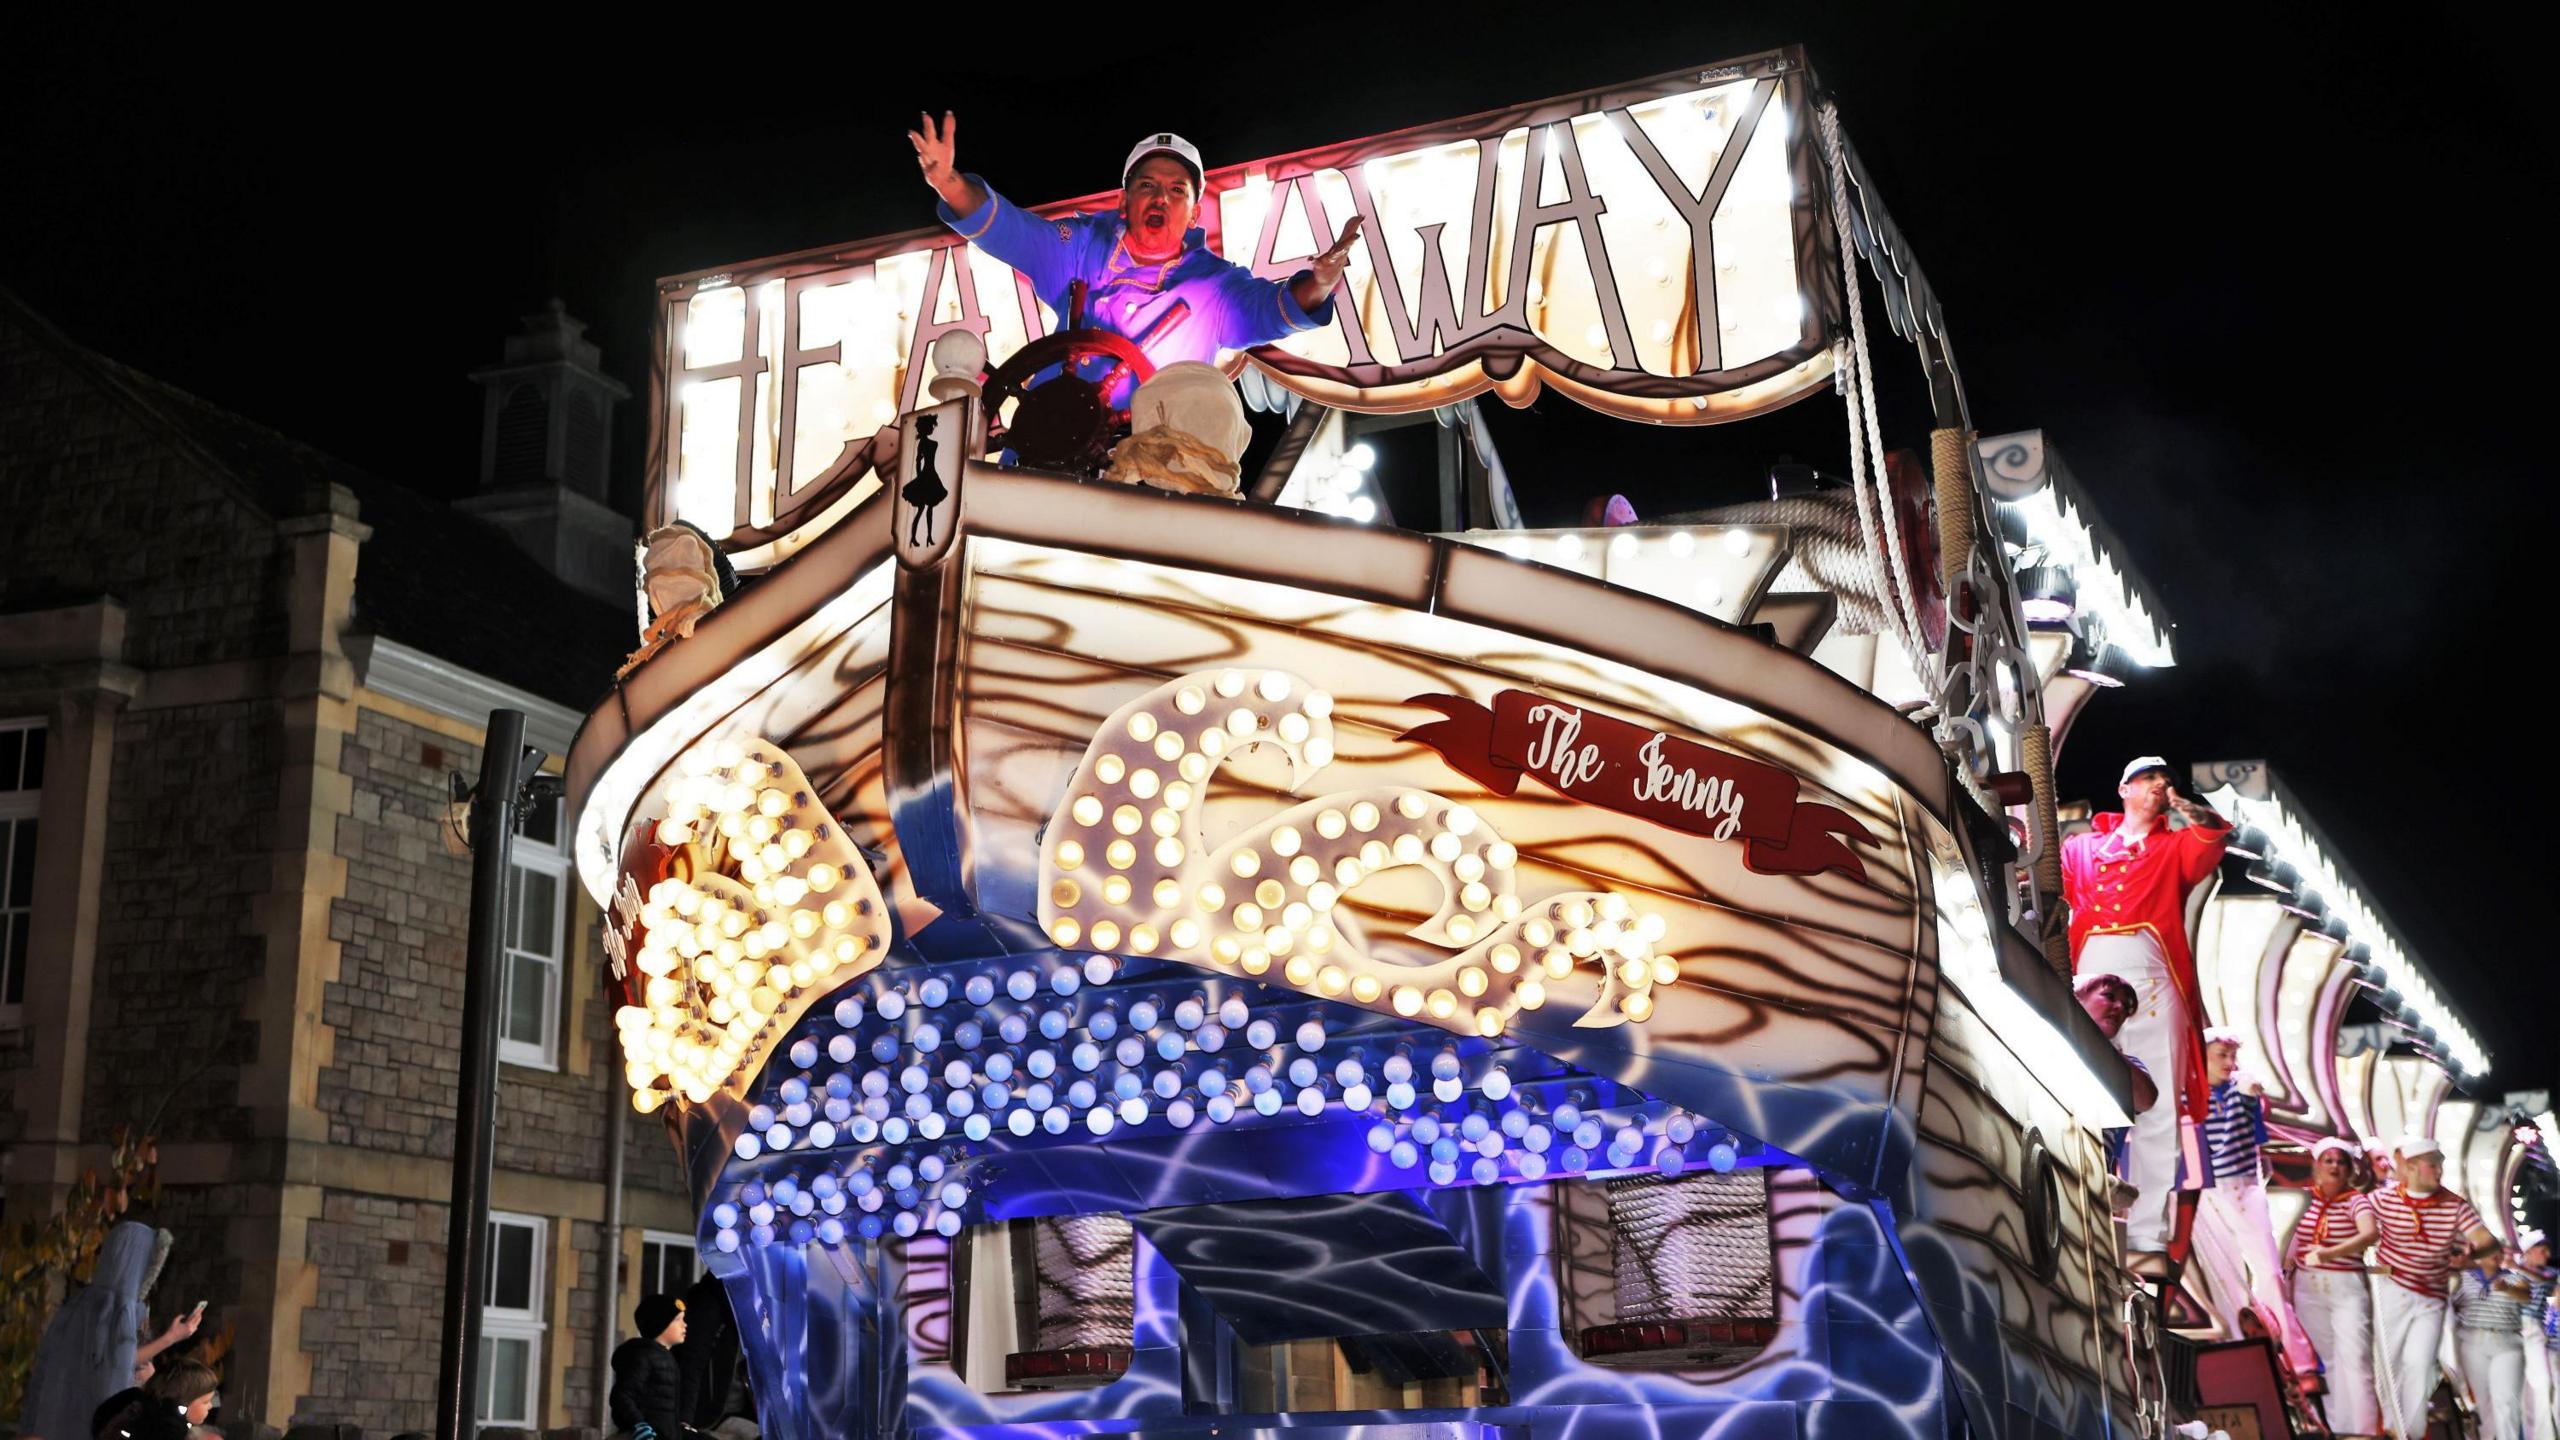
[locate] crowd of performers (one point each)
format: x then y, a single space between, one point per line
2390 1283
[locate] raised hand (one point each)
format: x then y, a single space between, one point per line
1328 267
934 156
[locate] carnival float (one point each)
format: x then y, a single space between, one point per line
1125 953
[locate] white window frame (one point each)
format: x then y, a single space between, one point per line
640 1284
535 857
507 1323
16 804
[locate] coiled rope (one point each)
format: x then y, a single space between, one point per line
1086 1271
1692 1248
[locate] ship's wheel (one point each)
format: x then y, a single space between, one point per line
1062 420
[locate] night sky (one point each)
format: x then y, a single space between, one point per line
2275 294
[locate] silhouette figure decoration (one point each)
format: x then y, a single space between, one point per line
925 491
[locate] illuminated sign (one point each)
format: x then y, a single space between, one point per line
757 904
1657 250
1127 868
1602 760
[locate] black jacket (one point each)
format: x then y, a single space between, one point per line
647 1388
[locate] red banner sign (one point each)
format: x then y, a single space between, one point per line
1601 760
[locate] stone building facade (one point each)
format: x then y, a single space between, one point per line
235 675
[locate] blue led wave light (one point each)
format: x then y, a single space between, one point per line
925 1099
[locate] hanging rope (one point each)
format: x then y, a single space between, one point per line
1876 517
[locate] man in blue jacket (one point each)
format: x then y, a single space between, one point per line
1148 271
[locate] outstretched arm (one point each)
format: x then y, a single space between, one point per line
179 1329
1325 271
934 156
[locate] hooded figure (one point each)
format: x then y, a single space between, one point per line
86 1354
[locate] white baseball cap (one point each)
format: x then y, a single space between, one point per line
2136 766
1165 142
2410 1147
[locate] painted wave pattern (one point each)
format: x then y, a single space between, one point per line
856 1337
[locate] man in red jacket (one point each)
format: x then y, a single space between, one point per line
2127 881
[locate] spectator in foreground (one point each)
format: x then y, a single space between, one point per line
191 1387
648 1386
92 1347
187 1390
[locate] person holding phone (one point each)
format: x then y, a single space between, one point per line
2127 882
95 1344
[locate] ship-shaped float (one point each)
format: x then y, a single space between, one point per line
1120 962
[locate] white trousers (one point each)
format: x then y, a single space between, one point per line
2407 1328
2537 1384
2156 1035
2336 1310
2238 1208
2493 1368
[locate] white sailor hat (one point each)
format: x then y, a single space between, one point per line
2327 1143
2133 767
2410 1147
2528 1237
1165 142
2224 1035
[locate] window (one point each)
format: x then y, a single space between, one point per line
668 1265
537 896
21 787
511 1323
524 434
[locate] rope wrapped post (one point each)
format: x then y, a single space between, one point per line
2035 755
1951 465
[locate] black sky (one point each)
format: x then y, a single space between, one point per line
2279 293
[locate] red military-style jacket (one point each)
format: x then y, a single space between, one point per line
2115 886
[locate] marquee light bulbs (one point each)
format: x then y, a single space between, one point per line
1265 899
730 951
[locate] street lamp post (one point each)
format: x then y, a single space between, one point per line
505 768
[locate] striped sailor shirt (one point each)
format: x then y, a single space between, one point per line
2419 1233
2327 1222
2481 1303
2235 1125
